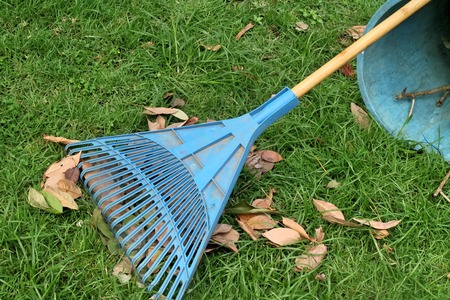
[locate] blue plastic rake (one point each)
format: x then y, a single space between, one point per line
162 192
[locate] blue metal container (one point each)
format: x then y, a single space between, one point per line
416 56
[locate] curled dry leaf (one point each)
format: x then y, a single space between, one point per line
244 30
36 199
361 117
154 111
227 239
214 48
356 31
333 184
377 224
380 234
271 156
266 202
59 139
311 259
253 235
301 26
261 221
347 70
222 228
160 123
320 235
298 228
282 236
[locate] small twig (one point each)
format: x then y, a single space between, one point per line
441 186
413 102
445 196
404 94
442 99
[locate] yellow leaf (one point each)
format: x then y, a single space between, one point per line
36 199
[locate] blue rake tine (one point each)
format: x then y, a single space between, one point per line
163 192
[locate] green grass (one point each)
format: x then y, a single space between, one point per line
77 69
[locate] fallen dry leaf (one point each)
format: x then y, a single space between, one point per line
191 121
328 209
313 257
36 199
282 236
301 26
214 48
72 174
222 228
177 102
271 156
244 30
320 277
297 227
320 235
347 70
123 270
377 224
59 139
160 123
227 239
333 184
253 235
266 202
380 234
361 117
65 199
261 221
63 165
178 113
69 187
356 31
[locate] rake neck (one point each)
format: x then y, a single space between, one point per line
275 108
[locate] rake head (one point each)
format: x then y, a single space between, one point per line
162 192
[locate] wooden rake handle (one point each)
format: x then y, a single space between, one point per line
357 47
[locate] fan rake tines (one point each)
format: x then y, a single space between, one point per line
152 205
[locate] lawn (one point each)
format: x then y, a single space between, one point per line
84 69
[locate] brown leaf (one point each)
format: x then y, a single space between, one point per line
63 165
282 236
261 221
377 224
361 117
328 209
168 95
69 187
271 156
320 235
380 234
214 48
347 70
313 257
72 174
297 227
356 31
191 121
253 235
59 139
227 239
244 30
160 123
222 228
266 202
65 198
177 102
